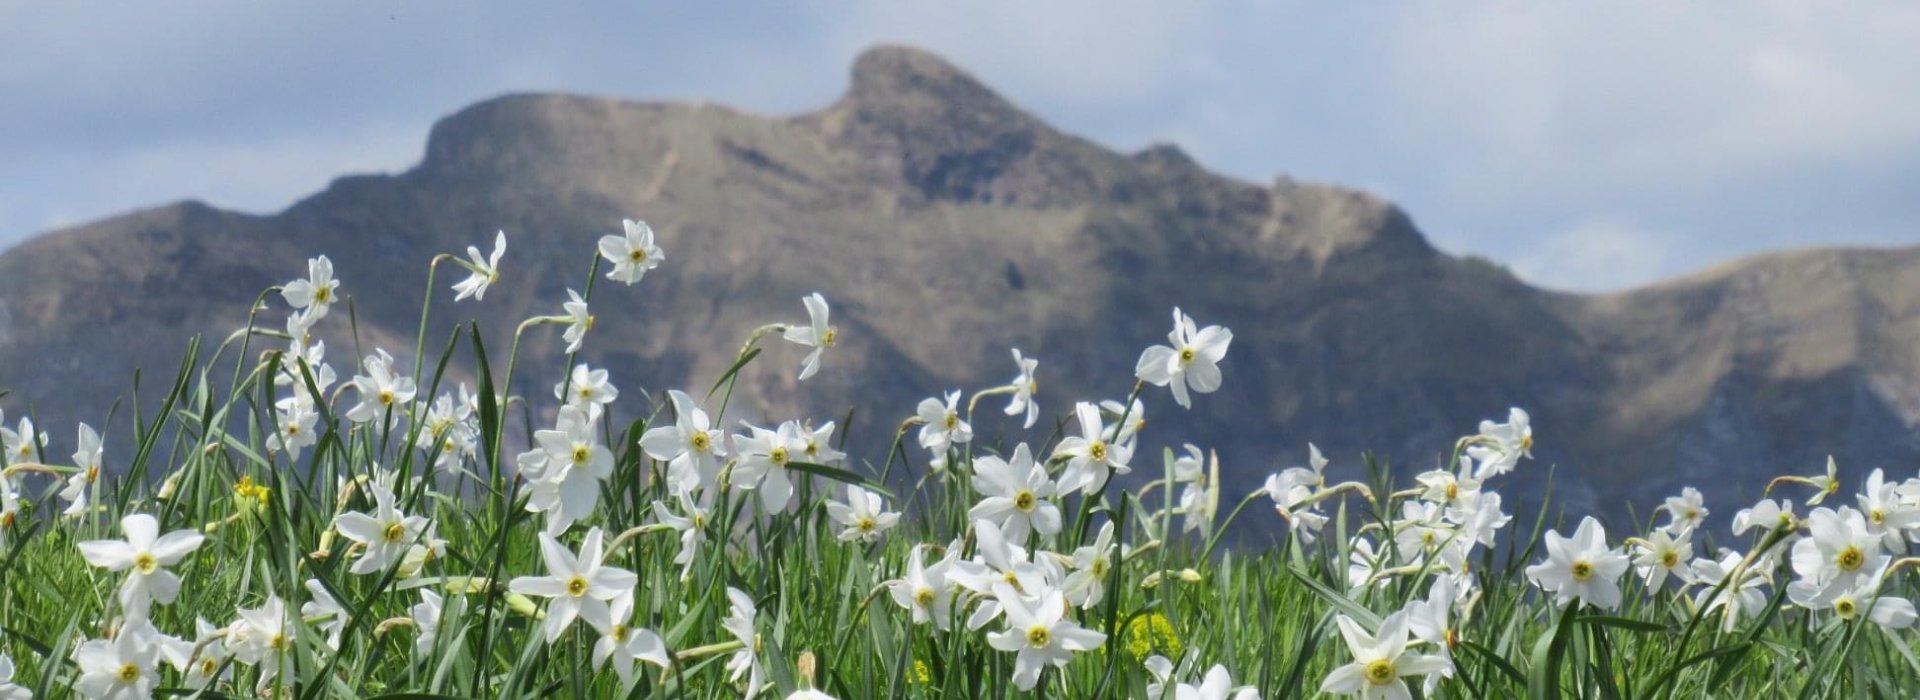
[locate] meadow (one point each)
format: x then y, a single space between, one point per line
283 528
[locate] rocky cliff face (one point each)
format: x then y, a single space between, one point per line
946 225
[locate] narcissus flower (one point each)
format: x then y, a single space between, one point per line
763 456
745 662
1039 634
588 389
1091 456
1381 661
622 643
1499 446
692 526
264 637
940 424
124 668
386 532
632 254
690 446
1838 550
567 470
1017 495
144 555
1685 512
925 591
1024 387
23 445
383 394
482 272
87 458
579 321
817 334
863 517
579 585
325 612
315 294
1662 555
1582 567
1192 361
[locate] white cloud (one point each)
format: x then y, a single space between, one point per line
1597 255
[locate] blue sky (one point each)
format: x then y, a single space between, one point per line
1589 147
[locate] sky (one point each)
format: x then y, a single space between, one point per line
1589 147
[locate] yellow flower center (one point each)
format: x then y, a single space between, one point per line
778 455
1100 568
322 295
581 453
1187 355
865 524
278 643
1381 672
952 420
1039 636
830 337
129 673
1878 516
577 586
1097 450
145 563
1453 490
293 428
638 255
620 633
1582 570
1850 558
1025 501
208 665
1526 443
1670 558
923 596
1845 608
395 532
386 397
700 442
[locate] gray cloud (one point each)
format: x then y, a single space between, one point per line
1588 147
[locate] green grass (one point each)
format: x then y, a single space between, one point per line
1265 612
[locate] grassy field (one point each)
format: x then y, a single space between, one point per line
280 529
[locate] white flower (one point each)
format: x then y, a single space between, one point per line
566 471
315 294
87 458
1133 417
1499 446
579 321
1193 361
1686 511
1430 621
623 644
819 445
1024 387
1017 494
1837 551
690 447
817 334
125 668
997 562
1216 685
745 662
264 638
1294 485
633 254
1091 459
940 424
692 527
1661 555
925 591
1849 602
483 272
429 616
1766 515
23 445
1825 485
325 612
763 457
587 389
1039 634
1380 662
382 393
386 532
1200 500
8 690
294 428
863 516
579 585
1087 585
143 555
1582 567
1887 514
1742 596
201 661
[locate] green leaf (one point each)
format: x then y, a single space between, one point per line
840 475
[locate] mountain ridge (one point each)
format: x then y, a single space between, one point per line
946 224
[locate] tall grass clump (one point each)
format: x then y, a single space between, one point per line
279 528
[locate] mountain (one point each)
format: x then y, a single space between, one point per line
947 225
